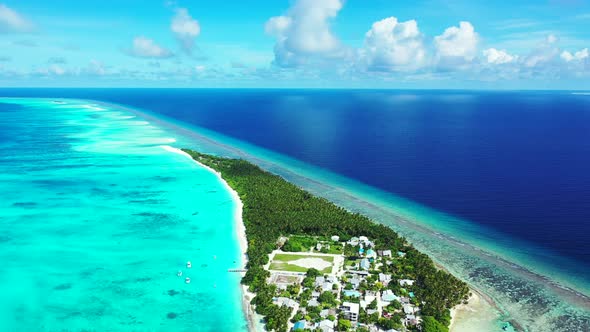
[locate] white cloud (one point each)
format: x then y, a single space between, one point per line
498 57
545 53
53 70
457 46
186 29
577 56
146 48
11 21
96 67
304 32
393 45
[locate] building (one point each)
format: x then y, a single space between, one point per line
411 320
313 303
365 264
406 282
384 279
350 311
384 253
285 301
335 238
354 241
408 309
326 325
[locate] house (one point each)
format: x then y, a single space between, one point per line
384 253
313 303
318 247
384 279
411 320
355 281
408 309
300 325
285 301
326 326
363 239
319 281
315 295
354 241
406 282
369 297
365 264
335 238
328 312
350 311
388 296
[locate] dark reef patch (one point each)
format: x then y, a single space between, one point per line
63 286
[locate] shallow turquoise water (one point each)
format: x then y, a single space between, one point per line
96 218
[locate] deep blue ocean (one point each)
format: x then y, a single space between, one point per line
518 162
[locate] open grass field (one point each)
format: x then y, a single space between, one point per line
301 263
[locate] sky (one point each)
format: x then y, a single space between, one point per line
431 44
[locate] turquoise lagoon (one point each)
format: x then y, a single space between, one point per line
96 220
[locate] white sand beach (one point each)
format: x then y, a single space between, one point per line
477 315
251 316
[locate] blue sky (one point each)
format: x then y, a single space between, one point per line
523 44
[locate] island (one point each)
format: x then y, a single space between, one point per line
314 266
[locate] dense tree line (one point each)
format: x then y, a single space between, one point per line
274 207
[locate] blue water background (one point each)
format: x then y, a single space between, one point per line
516 162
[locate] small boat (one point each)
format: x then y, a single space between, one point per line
187 280
188 265
179 273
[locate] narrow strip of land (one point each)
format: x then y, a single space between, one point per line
306 289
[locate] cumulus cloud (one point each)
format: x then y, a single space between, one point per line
146 48
96 67
304 32
545 53
498 57
457 46
393 45
185 29
577 56
11 21
54 70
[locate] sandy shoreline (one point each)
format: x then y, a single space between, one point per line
479 314
247 296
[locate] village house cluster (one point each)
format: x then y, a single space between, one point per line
365 289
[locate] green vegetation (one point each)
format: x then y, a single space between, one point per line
274 207
429 324
288 262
